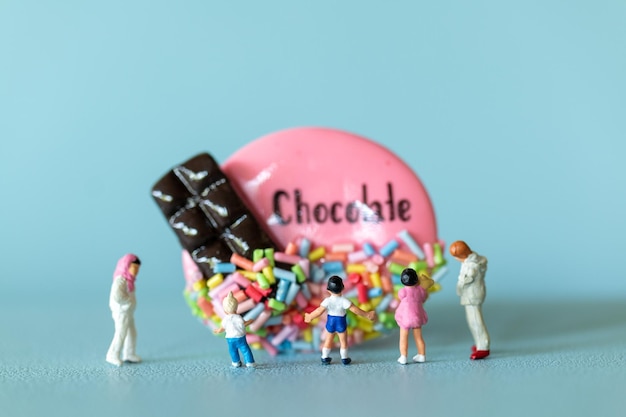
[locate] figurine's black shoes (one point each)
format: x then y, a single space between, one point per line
346 361
326 361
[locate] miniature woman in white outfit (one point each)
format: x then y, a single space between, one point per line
471 288
122 303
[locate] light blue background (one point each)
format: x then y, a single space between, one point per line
512 114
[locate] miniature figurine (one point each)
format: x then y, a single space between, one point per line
336 322
471 289
122 302
410 314
235 328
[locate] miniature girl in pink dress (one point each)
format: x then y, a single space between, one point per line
410 314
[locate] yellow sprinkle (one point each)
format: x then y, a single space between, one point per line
358 268
317 254
364 324
366 306
198 285
371 335
375 278
215 280
375 301
251 275
268 271
307 335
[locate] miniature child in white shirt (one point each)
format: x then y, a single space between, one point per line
336 323
235 328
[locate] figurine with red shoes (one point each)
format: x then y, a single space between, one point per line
471 289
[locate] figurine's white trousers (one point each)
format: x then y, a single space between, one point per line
125 335
477 326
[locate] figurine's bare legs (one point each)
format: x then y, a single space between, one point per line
477 326
404 342
419 344
343 344
419 341
343 340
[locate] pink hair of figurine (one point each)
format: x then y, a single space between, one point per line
122 269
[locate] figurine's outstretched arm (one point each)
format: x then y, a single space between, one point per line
308 317
371 315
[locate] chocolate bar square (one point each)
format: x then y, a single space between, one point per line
221 204
170 194
199 173
192 227
206 257
245 235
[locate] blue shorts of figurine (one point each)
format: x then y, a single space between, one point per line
336 324
237 344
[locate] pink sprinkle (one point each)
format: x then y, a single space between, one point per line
230 279
316 290
428 251
371 266
258 267
305 264
190 269
268 347
283 334
239 279
293 336
343 247
378 259
222 291
355 257
301 300
286 258
217 308
246 305
260 321
358 335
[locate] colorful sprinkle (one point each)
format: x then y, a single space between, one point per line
275 298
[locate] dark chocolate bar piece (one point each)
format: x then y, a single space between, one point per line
170 194
210 220
206 257
243 236
192 227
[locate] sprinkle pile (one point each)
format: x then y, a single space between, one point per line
275 289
